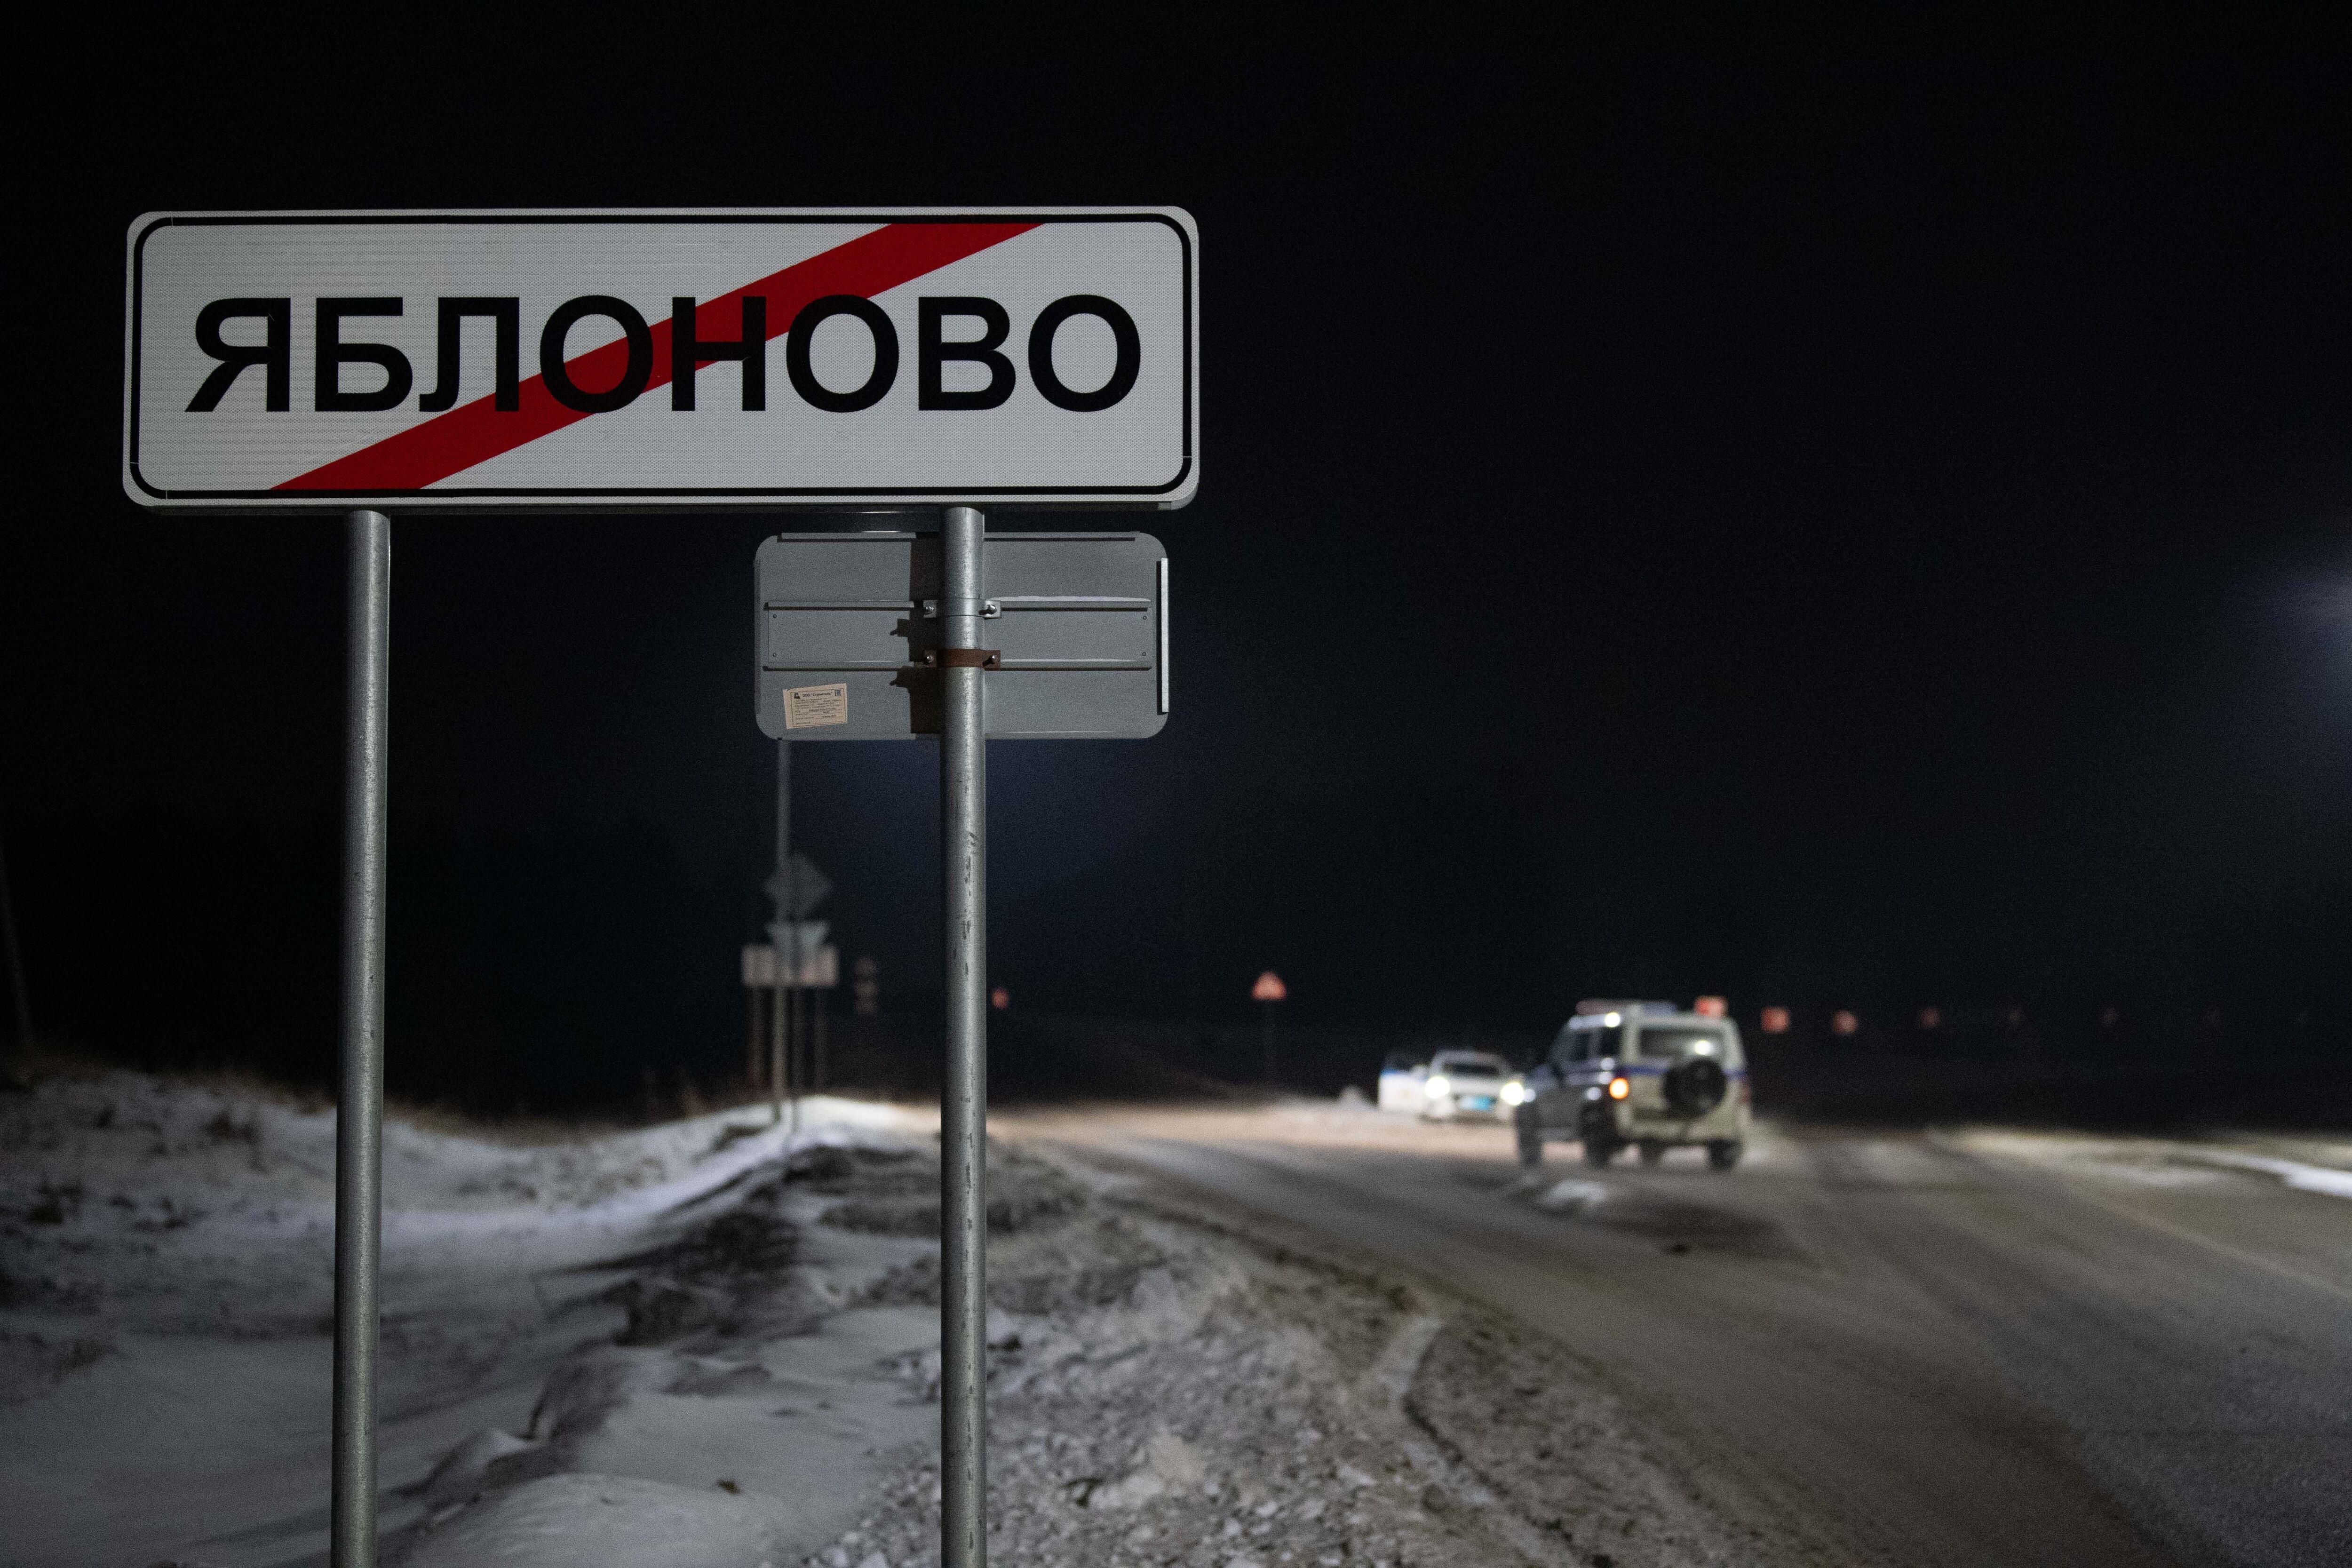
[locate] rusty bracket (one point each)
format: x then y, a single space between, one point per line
960 657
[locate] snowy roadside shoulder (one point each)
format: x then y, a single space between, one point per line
206 1144
132 1203
766 1375
2306 1164
166 1278
1338 1415
1167 1387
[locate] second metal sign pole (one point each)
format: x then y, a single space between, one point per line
358 1114
779 937
963 1099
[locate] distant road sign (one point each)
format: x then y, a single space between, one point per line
820 967
804 888
848 636
606 359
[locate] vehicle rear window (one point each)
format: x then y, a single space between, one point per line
1586 1045
1672 1044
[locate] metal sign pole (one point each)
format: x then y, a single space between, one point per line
777 1023
788 959
963 1102
779 1016
751 1039
799 997
821 999
359 1121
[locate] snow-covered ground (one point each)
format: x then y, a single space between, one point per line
708 1344
2306 1164
166 1291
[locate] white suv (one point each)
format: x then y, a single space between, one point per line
1639 1075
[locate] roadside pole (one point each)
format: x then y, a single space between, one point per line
963 1102
788 963
788 949
779 1052
799 1047
359 1120
753 1042
1269 990
818 1004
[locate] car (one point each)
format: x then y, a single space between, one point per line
1466 1085
1638 1075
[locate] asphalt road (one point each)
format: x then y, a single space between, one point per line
1968 1348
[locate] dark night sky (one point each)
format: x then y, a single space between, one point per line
1848 535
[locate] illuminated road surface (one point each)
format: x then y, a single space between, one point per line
1970 1349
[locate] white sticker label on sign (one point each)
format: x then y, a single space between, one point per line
808 707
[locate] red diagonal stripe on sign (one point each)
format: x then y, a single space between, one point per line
476 432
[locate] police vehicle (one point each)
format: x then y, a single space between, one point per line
1640 1075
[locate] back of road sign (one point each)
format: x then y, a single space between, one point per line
847 633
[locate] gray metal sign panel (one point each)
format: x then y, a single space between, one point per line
537 359
847 629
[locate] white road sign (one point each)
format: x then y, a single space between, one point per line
539 360
820 965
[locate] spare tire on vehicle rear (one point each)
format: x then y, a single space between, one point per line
1695 1086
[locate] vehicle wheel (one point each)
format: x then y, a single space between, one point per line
1725 1154
1652 1151
1531 1140
1598 1152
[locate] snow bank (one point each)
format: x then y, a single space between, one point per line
166 1284
605 1522
2306 1164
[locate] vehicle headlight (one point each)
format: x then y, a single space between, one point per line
1515 1093
1620 1087
1437 1088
